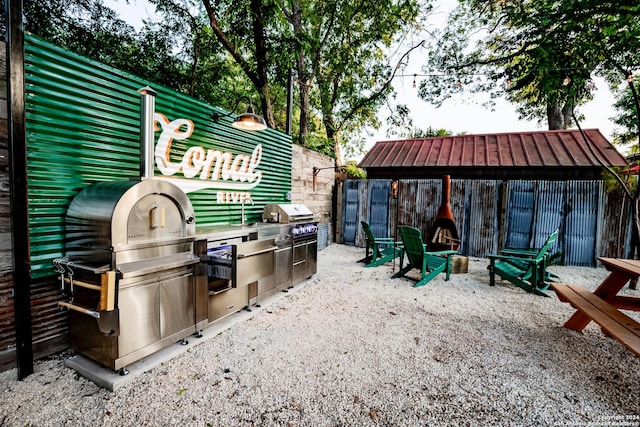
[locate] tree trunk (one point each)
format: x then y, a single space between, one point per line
305 86
567 113
332 135
304 80
555 116
261 63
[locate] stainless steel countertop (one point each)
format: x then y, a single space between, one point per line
229 231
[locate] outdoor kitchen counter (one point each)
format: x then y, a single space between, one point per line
227 231
256 230
248 258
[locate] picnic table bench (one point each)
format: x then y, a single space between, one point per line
603 305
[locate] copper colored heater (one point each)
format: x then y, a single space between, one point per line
444 234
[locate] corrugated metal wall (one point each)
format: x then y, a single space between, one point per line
350 212
536 208
581 225
480 221
592 222
379 210
83 126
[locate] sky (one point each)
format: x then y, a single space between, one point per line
458 114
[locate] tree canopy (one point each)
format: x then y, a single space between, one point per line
219 51
539 54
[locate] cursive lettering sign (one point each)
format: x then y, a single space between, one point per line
212 168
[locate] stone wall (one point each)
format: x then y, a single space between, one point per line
318 199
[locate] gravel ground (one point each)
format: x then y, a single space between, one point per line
351 347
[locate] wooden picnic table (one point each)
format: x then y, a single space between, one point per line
604 304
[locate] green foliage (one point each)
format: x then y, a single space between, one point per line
353 171
320 144
178 52
626 116
430 133
218 51
630 180
538 54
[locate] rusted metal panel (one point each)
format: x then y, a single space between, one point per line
548 149
473 203
615 228
480 222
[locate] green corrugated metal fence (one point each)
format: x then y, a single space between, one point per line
83 126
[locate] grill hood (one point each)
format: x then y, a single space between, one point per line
286 213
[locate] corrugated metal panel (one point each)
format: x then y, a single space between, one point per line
581 222
379 205
480 222
615 227
324 231
536 208
550 205
592 223
420 199
350 208
520 214
562 148
83 127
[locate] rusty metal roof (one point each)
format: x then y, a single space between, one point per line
541 149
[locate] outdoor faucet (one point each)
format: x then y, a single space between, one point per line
243 217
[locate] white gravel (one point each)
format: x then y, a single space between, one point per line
353 347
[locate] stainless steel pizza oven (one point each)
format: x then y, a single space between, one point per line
129 270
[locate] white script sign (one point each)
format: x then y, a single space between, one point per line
204 168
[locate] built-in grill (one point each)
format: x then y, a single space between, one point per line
303 238
287 214
129 270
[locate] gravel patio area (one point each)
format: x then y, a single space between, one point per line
352 347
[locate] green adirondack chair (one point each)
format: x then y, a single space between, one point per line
378 250
527 271
430 264
531 252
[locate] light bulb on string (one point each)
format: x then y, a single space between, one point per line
414 81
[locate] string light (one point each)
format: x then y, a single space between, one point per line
566 81
414 81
